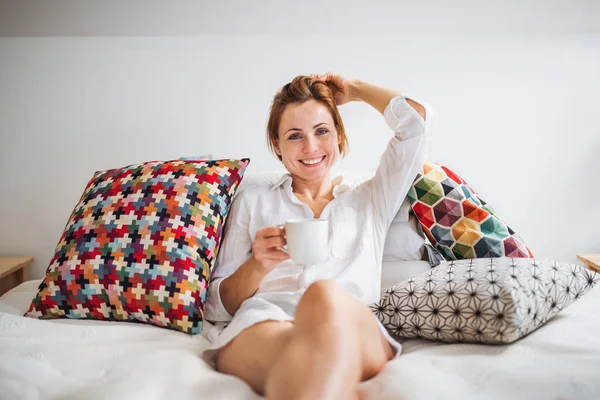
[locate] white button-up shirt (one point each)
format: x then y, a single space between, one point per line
359 216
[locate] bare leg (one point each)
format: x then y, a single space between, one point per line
333 344
251 355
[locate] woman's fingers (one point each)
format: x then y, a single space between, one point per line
267 244
270 256
322 77
327 76
278 255
274 241
269 238
269 231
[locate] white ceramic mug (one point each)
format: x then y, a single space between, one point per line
308 244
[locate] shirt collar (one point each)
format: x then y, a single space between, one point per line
286 181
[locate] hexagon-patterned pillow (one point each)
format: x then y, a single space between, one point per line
457 221
140 244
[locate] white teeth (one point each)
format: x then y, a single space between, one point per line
313 161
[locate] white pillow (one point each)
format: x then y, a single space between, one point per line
396 272
404 241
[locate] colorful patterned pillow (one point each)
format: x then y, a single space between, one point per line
140 244
457 221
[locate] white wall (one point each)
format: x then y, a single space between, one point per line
274 17
517 117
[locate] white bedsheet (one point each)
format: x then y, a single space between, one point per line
79 359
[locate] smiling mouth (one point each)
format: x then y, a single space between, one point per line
313 161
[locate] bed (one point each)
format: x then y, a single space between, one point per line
77 359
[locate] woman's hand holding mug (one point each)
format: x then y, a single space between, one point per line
266 247
308 245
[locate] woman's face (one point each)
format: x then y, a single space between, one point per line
308 140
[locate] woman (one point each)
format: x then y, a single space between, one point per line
285 341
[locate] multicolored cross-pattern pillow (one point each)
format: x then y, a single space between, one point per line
457 221
140 244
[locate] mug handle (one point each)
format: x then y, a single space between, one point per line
283 248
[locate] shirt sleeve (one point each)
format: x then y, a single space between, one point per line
403 158
235 249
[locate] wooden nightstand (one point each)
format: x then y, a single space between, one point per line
13 272
591 261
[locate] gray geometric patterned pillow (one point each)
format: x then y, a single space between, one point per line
485 300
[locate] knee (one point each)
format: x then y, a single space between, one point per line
324 294
322 303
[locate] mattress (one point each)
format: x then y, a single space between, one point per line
85 359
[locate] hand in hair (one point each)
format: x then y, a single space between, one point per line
340 87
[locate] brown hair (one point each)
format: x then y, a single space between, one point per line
302 89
